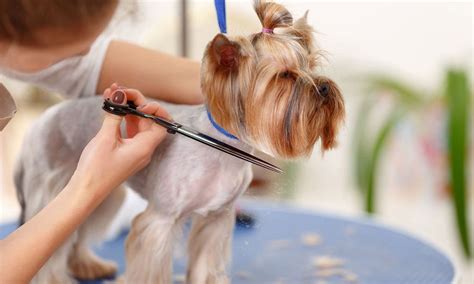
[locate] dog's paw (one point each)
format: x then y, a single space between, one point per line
85 265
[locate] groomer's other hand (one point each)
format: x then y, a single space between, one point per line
109 159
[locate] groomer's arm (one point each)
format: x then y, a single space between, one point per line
155 74
25 251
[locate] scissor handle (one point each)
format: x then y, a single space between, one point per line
118 109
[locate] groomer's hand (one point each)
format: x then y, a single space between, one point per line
109 159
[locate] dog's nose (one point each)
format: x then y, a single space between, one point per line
323 89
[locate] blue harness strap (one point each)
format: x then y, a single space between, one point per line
221 18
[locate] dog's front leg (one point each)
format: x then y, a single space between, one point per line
209 247
149 248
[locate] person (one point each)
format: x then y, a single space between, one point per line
63 46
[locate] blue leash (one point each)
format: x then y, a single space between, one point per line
221 18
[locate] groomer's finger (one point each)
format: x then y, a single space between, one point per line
132 123
107 93
114 86
131 94
111 125
155 109
134 95
148 140
156 133
118 96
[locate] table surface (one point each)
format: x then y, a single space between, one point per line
272 251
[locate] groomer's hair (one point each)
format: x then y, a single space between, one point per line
24 20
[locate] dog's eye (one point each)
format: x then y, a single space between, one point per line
323 89
286 74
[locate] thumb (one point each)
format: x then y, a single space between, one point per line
111 124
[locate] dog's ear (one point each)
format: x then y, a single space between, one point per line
225 51
303 32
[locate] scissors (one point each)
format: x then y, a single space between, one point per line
174 127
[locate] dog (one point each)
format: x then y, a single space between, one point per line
263 89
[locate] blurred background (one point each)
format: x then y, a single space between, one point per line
405 154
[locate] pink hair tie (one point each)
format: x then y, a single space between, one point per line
267 31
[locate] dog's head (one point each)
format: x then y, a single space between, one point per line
264 88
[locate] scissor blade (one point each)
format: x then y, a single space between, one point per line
219 145
174 127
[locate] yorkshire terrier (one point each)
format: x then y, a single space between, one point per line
262 89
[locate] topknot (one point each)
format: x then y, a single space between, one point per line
272 15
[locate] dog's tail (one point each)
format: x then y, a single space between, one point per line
20 194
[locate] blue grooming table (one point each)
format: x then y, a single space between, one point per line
271 251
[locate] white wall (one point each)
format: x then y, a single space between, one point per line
413 39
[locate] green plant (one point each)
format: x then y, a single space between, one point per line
457 98
369 147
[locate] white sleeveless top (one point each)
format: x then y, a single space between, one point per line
72 77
